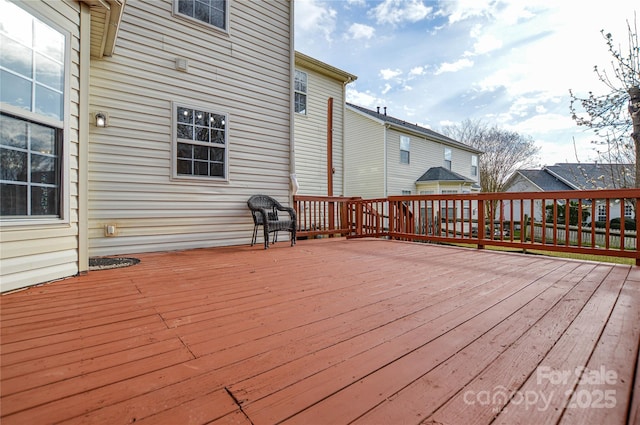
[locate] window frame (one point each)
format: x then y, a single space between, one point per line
448 154
407 140
297 92
60 125
225 30
602 212
474 165
175 140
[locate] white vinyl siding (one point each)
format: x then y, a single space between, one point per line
364 156
245 74
368 172
311 136
37 250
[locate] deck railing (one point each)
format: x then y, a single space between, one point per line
570 221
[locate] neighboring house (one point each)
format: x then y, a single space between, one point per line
194 103
319 126
386 156
572 176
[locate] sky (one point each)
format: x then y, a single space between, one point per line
508 63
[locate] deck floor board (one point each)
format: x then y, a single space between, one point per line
328 332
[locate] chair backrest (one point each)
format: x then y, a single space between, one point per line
262 201
259 202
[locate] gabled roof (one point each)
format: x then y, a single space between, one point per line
543 180
581 176
414 128
442 174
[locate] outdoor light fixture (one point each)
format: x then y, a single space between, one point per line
101 119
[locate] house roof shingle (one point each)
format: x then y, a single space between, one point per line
413 128
580 176
544 180
588 176
442 174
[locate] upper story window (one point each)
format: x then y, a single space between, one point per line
474 165
447 158
628 210
201 148
405 149
300 87
32 91
212 12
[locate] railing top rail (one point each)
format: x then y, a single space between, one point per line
563 194
325 198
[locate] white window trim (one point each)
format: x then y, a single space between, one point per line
305 93
448 153
225 30
174 144
408 151
65 155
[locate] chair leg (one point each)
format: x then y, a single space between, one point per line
266 237
255 235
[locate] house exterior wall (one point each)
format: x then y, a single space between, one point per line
373 166
364 152
37 250
244 74
311 135
424 154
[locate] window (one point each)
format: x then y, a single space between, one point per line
602 212
32 88
406 192
447 158
300 86
628 210
405 148
212 12
200 143
474 165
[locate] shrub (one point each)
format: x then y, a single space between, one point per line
629 223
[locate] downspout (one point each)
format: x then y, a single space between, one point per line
330 147
384 170
292 72
344 118
83 139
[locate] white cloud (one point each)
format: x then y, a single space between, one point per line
486 43
313 18
366 99
417 71
399 11
386 89
454 66
388 74
358 31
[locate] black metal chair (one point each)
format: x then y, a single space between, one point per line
264 210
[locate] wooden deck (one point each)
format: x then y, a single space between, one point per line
327 332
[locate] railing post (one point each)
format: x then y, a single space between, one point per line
332 218
392 219
481 222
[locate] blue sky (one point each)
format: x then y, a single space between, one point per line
434 63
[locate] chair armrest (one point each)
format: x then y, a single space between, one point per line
291 211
